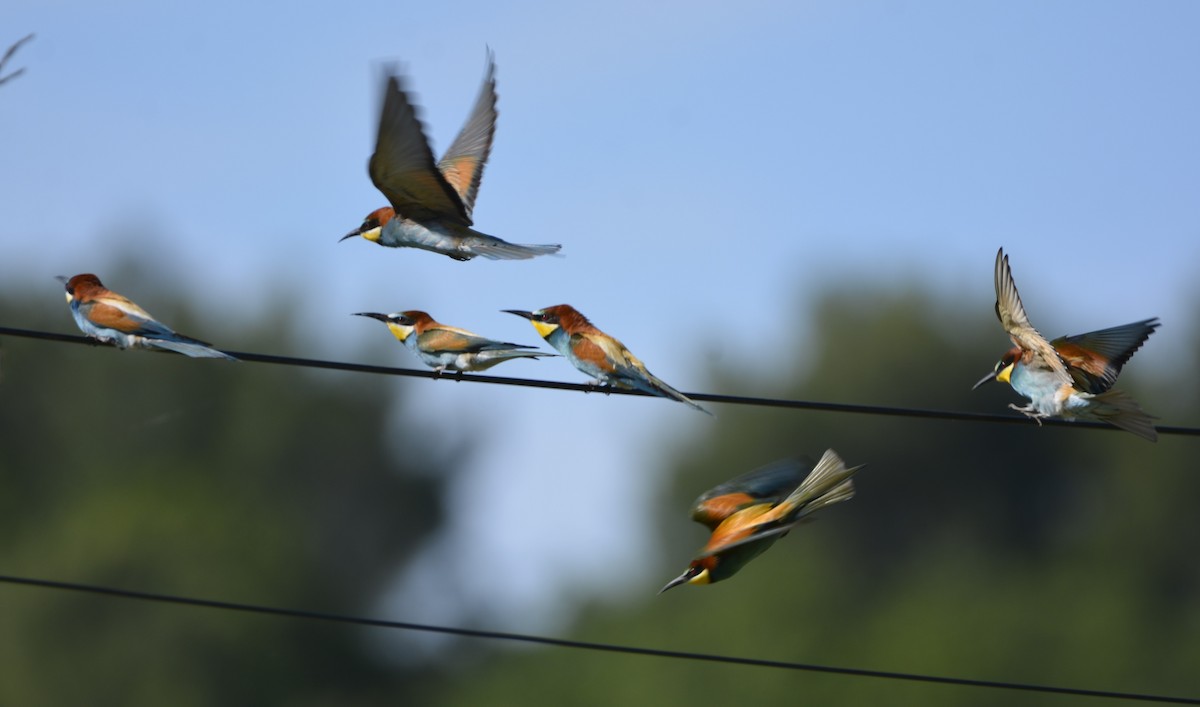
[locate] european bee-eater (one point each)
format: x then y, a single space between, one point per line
107 316
432 202
595 353
444 347
1072 376
748 514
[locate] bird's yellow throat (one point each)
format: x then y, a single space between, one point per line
1003 375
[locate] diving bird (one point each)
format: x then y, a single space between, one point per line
595 353
431 203
748 514
106 316
445 348
1072 376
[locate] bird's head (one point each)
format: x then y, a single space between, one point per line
372 225
1003 371
401 324
698 572
550 319
79 285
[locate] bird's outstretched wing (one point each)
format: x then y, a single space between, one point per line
1095 359
829 482
402 165
768 484
462 165
1014 320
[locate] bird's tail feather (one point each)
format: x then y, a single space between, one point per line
828 483
497 249
189 349
521 353
660 388
1120 410
487 359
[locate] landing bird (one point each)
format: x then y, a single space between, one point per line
748 514
1069 377
445 348
106 316
595 353
432 202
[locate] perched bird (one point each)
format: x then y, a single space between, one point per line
595 353
106 316
748 514
449 348
432 202
1072 376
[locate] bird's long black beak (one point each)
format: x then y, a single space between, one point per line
372 315
62 278
681 579
355 232
519 313
989 377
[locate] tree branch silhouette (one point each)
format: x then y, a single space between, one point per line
8 55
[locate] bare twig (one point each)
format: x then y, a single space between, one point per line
8 55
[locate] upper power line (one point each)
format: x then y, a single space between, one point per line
886 410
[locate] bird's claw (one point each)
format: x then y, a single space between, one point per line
1027 411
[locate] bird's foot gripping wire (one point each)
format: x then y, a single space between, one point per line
1028 411
599 386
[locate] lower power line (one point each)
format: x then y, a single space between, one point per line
583 645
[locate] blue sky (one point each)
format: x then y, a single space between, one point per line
701 164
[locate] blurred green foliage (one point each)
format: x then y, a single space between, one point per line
995 552
234 481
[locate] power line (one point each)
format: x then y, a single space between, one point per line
582 645
885 410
